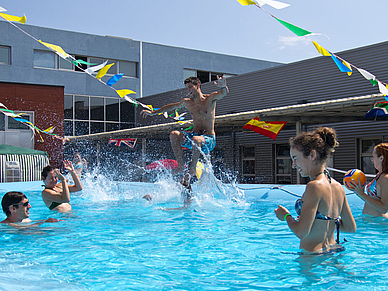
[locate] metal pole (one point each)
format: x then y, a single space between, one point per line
298 129
143 152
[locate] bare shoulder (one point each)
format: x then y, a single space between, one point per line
313 189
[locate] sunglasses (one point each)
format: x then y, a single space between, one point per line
25 204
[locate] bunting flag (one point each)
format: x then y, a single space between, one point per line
103 71
342 66
8 17
127 142
113 80
124 92
295 29
2 9
321 50
79 62
91 70
269 129
380 109
58 50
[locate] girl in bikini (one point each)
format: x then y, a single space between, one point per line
323 207
376 196
57 196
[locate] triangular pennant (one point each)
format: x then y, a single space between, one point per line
295 29
56 48
8 17
103 71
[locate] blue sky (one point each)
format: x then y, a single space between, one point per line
222 26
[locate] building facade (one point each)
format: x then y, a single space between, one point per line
90 106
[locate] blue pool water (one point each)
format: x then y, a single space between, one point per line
229 239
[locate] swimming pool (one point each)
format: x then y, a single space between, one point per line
229 239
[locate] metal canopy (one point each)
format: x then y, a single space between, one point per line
329 111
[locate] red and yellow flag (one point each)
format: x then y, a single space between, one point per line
270 129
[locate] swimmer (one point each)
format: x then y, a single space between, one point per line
202 109
80 164
17 208
323 207
57 196
376 196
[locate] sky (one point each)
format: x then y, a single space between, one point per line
221 26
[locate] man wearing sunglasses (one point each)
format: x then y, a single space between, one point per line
17 208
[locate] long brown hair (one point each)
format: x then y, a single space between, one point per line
382 150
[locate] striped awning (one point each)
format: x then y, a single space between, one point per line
30 167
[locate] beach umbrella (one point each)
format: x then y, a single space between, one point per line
380 109
166 164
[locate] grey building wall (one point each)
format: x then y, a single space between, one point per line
160 66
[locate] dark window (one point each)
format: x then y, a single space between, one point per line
112 109
367 147
112 126
127 112
68 106
68 128
81 127
81 107
2 122
203 76
64 64
249 167
96 108
83 66
96 127
13 124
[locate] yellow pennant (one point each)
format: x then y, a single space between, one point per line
55 48
246 2
348 65
321 50
103 71
124 92
8 17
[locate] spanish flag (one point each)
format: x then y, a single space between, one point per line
270 129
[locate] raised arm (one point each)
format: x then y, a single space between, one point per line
55 196
165 108
77 182
224 90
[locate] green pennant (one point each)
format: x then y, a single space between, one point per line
78 62
191 127
297 30
374 82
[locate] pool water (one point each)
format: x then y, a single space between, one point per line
229 239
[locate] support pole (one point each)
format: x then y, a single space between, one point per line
298 129
143 152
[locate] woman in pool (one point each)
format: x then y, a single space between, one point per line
80 164
57 196
325 206
376 196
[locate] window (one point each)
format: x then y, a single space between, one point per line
129 69
13 124
367 146
248 162
2 122
64 64
92 114
203 76
283 164
44 59
5 55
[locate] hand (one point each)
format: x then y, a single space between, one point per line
59 175
68 165
144 113
221 81
280 212
357 187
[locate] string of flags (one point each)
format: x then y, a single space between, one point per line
343 65
99 69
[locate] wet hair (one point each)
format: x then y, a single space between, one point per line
11 198
323 140
193 80
46 170
382 150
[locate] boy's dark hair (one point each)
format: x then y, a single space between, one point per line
193 80
46 170
11 198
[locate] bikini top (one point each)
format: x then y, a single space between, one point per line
371 189
299 204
